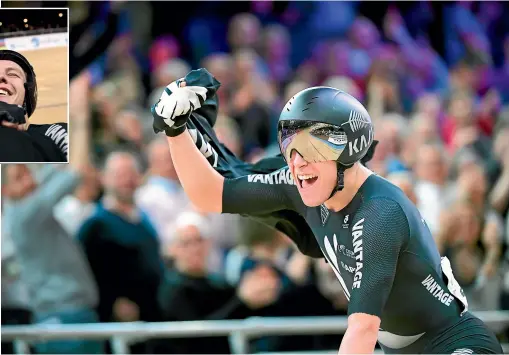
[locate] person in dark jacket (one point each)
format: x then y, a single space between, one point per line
122 249
189 292
121 245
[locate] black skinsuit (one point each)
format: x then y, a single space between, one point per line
384 257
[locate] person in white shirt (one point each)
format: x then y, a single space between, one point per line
431 188
161 197
74 209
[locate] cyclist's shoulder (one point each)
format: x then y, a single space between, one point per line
383 208
53 136
47 129
378 193
386 208
377 186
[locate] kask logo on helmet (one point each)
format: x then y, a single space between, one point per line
361 143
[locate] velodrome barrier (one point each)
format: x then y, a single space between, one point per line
35 42
239 331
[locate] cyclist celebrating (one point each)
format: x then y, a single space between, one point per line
400 291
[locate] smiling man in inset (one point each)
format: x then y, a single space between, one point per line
24 142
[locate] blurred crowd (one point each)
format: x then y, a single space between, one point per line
13 20
113 238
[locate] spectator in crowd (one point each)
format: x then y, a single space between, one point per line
471 235
229 133
244 31
74 209
60 283
220 64
246 103
16 307
258 243
161 196
404 181
190 292
129 133
499 196
122 247
276 51
432 187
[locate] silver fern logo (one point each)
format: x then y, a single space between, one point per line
324 213
357 121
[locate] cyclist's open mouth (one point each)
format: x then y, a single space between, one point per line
5 94
306 180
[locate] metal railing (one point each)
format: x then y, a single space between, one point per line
239 331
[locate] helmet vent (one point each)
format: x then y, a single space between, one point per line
309 103
289 103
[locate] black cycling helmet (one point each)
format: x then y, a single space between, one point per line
31 84
324 123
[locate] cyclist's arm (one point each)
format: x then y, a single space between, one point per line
381 229
202 184
260 193
211 192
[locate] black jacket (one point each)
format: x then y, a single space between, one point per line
52 140
39 144
18 147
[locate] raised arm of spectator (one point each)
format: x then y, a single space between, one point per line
446 228
412 52
83 50
376 103
80 136
492 236
60 180
469 29
499 196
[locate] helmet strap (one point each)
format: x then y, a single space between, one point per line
340 182
27 98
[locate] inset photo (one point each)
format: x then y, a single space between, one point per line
34 85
